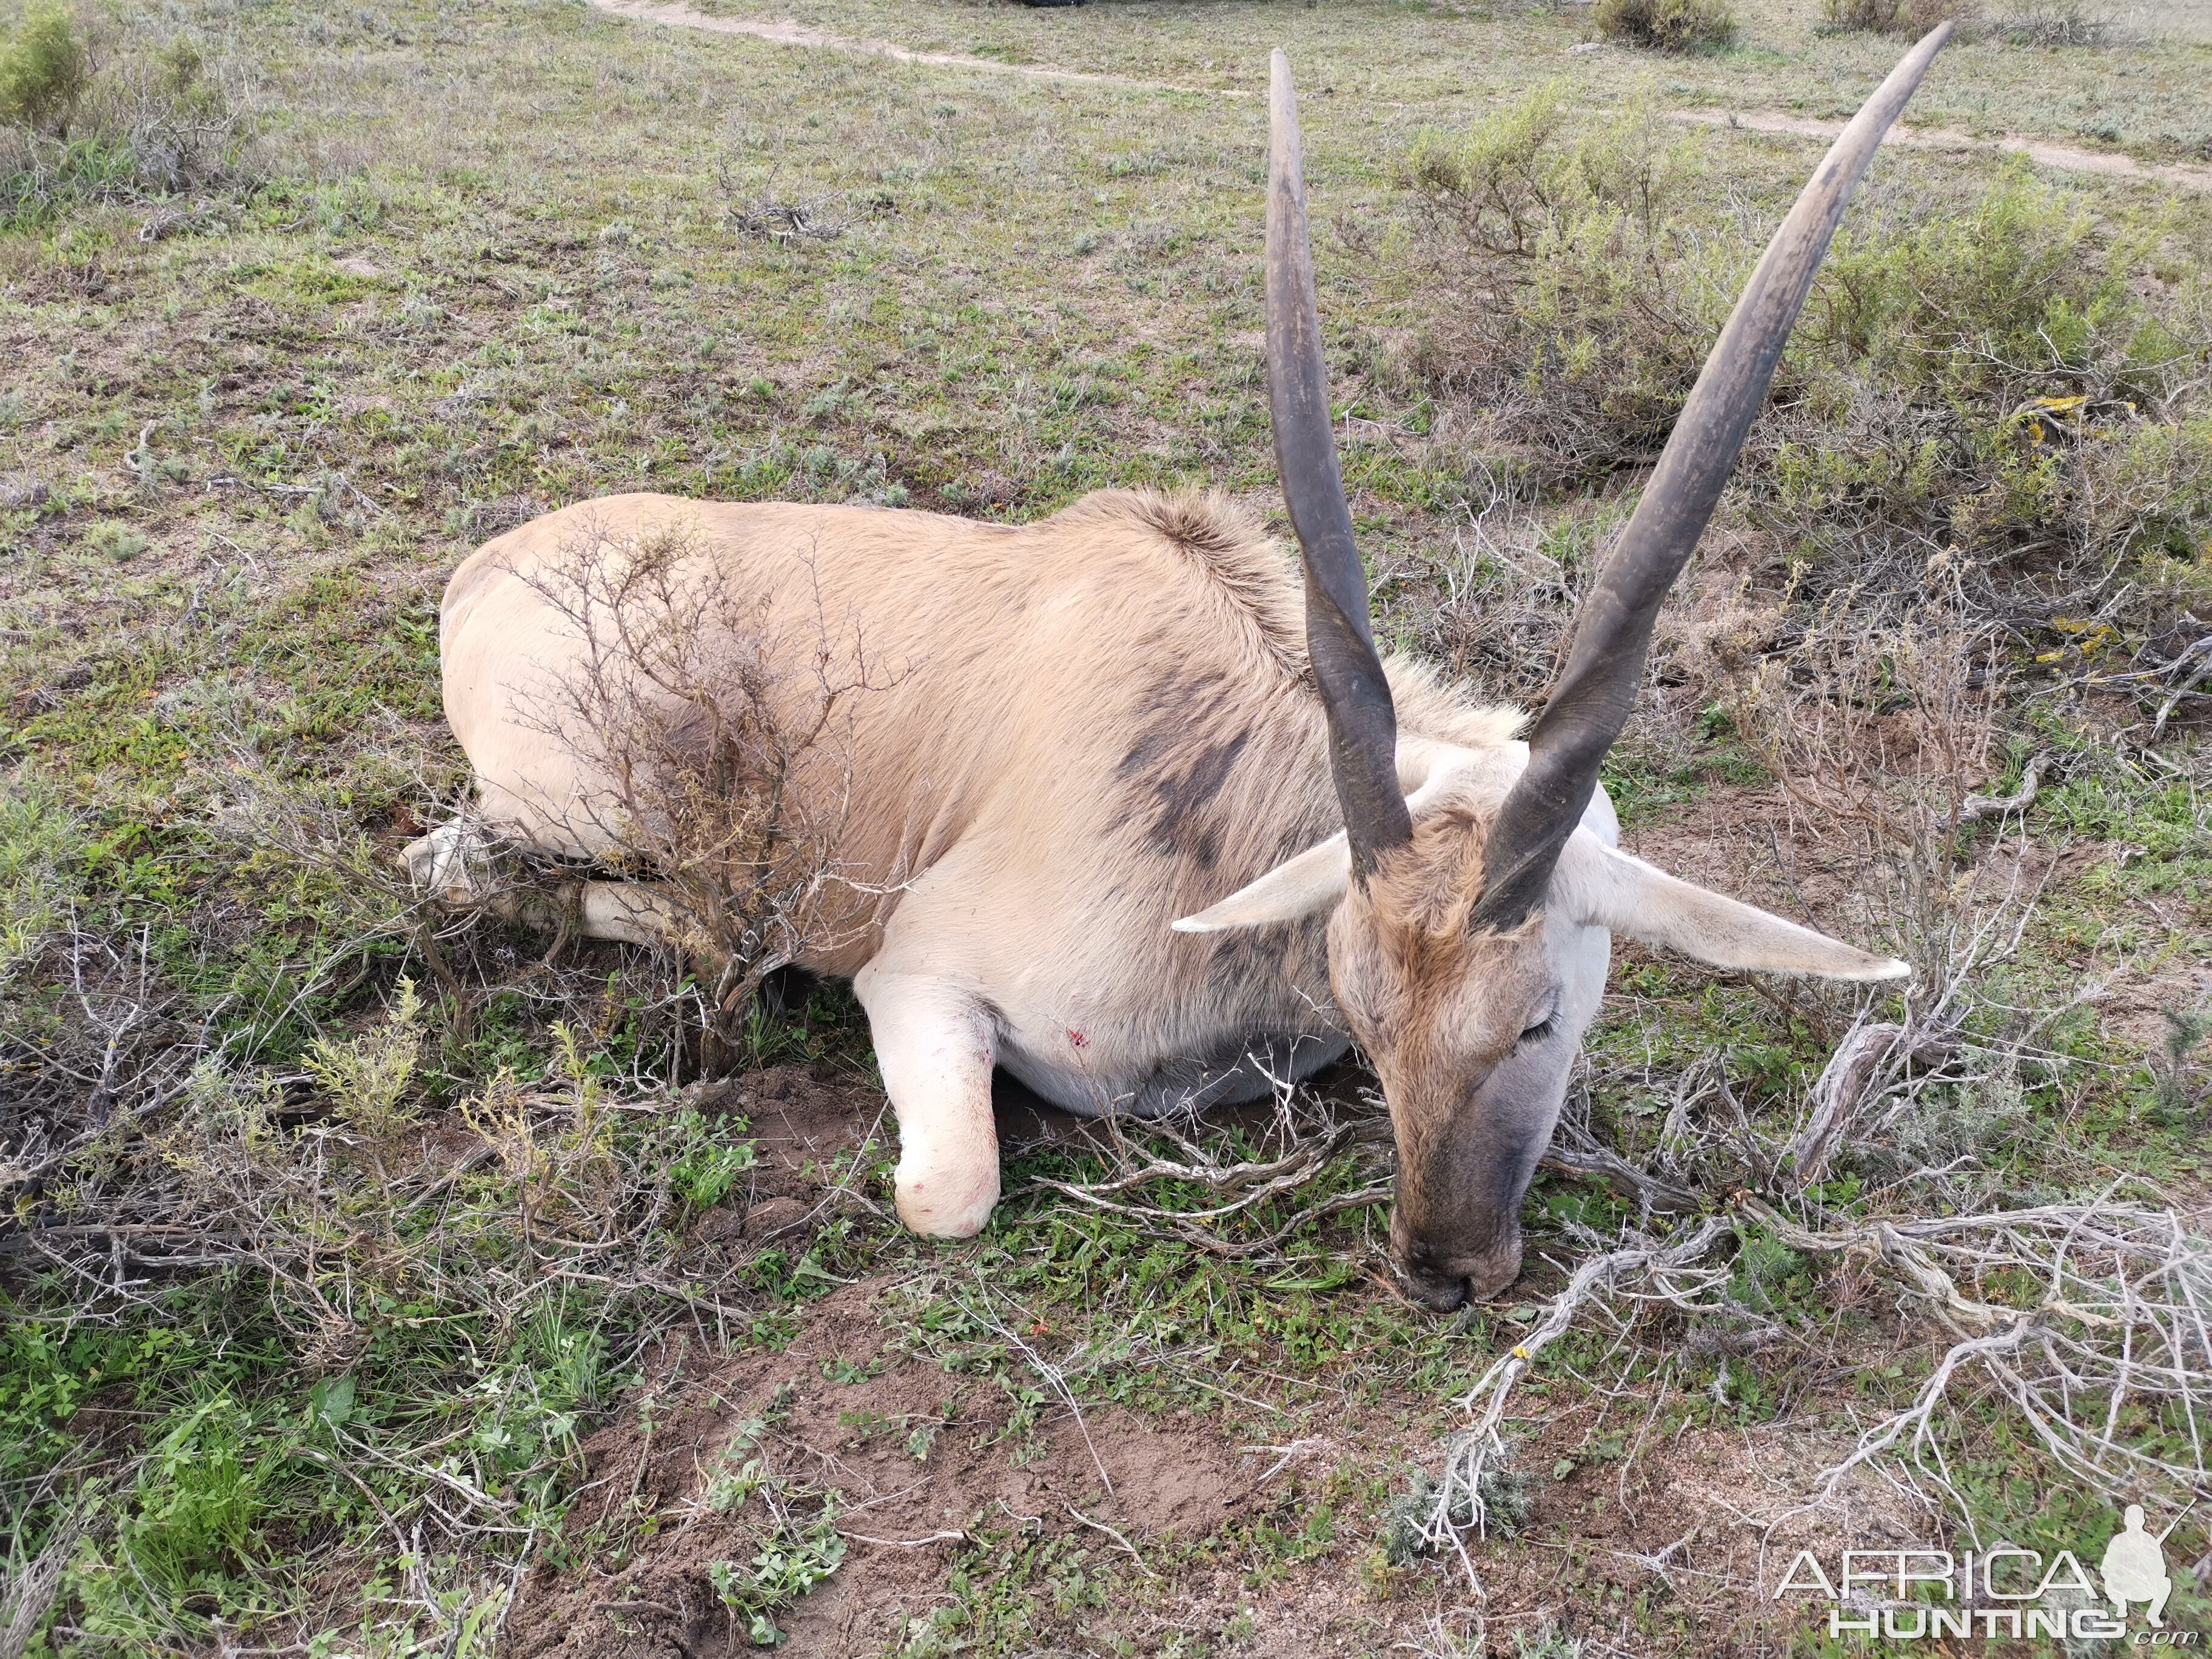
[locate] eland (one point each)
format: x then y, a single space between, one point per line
1145 819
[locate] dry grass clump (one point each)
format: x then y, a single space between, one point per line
2042 23
1668 25
92 112
2085 1318
2056 23
1251 1202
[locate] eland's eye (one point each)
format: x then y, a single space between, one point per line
1540 1029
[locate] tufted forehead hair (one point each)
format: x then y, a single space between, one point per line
1429 886
1419 902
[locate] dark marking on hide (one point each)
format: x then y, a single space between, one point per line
1178 763
1244 956
1252 966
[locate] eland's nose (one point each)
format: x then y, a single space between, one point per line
1442 1285
1435 1282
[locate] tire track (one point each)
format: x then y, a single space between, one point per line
788 32
2064 158
2061 157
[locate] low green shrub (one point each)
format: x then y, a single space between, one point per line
1990 377
1988 374
93 114
1570 307
44 67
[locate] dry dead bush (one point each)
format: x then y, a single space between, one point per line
719 737
2039 23
1880 729
1887 737
2058 23
93 1037
1508 589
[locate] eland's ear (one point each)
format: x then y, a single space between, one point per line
1299 886
1602 887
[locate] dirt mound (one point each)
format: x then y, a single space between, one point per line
923 1459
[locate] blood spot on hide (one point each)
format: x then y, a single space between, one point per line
1076 1039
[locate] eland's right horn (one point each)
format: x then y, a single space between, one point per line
1363 725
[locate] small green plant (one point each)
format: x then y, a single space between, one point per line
922 1438
368 1077
1570 227
738 1470
113 539
1668 25
44 67
2178 1081
1765 1270
1547 1641
918 1432
1021 1422
795 1557
711 1162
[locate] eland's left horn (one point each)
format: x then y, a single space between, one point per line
1590 702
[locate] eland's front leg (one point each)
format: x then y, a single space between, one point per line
935 1044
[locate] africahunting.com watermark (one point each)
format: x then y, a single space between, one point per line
2003 1593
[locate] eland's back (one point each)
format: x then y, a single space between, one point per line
1109 708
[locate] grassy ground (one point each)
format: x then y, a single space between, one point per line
371 1288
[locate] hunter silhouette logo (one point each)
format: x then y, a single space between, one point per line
2135 1568
1999 1592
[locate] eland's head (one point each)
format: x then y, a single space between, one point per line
1474 897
